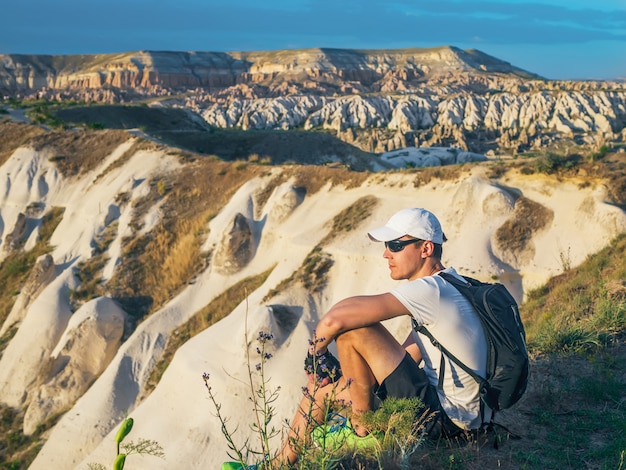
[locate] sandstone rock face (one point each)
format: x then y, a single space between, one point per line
17 235
520 120
90 341
284 201
146 69
42 274
237 246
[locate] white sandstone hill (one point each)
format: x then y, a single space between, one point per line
87 361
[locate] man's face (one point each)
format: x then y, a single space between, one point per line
405 260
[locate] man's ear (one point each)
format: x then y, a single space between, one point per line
427 249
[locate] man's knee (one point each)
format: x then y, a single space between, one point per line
350 338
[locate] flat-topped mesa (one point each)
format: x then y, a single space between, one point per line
346 61
168 69
141 69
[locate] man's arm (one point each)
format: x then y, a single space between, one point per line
412 348
353 313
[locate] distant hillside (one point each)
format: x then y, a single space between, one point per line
23 73
374 100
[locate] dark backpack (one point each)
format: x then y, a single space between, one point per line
508 366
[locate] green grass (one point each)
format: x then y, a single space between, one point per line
581 308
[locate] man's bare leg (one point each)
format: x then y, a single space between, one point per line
311 413
367 356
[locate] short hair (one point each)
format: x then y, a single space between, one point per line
438 249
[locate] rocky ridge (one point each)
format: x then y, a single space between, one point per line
377 100
148 70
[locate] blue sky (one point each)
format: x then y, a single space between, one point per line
556 39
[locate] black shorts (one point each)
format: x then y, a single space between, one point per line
406 381
409 380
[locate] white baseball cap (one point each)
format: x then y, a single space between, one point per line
415 222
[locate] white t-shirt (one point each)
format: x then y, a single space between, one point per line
452 321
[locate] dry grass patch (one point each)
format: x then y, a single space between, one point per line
157 265
312 275
427 174
314 178
607 169
528 218
14 135
89 272
616 189
18 450
351 218
79 151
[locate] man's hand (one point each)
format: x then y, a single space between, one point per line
323 367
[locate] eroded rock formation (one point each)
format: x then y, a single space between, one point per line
378 100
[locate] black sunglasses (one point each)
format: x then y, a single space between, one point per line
398 245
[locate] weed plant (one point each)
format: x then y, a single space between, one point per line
399 422
141 447
262 397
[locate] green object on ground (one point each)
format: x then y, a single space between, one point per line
237 466
332 437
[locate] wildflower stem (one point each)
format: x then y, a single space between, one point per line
227 434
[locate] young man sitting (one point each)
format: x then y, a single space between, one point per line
374 365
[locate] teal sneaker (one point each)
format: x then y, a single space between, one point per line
341 435
238 466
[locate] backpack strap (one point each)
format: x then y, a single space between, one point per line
444 352
459 285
